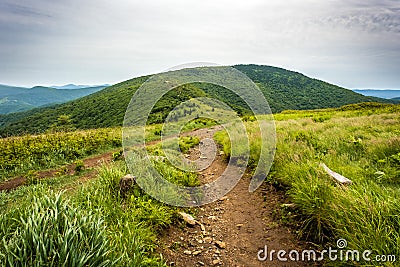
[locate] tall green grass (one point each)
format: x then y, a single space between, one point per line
94 225
52 232
361 143
132 223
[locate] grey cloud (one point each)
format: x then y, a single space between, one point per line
11 8
20 21
394 9
369 19
102 41
371 16
371 22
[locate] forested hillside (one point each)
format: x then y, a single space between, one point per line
17 99
282 88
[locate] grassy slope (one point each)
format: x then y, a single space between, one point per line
360 142
91 225
283 89
25 155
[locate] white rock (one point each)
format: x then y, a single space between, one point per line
188 218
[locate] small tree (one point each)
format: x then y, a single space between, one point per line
63 123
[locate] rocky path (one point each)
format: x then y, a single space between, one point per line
236 227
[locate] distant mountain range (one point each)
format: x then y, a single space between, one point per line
282 88
388 94
17 99
74 86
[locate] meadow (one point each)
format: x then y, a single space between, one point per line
361 142
21 154
90 223
25 155
63 221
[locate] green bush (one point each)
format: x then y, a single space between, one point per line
187 142
79 166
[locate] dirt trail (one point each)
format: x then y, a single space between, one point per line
241 221
69 169
236 227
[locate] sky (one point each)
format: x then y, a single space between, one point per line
351 43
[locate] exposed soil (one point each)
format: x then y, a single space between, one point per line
13 183
241 220
69 169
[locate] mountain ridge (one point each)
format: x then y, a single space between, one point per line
382 93
283 89
72 86
17 99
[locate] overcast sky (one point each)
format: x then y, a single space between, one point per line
355 44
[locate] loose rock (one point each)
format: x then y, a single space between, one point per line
220 244
197 252
188 218
216 262
125 184
202 227
207 239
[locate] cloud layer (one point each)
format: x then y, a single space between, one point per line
351 43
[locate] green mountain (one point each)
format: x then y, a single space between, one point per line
16 99
286 89
74 86
11 105
282 88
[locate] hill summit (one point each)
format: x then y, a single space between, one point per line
283 89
